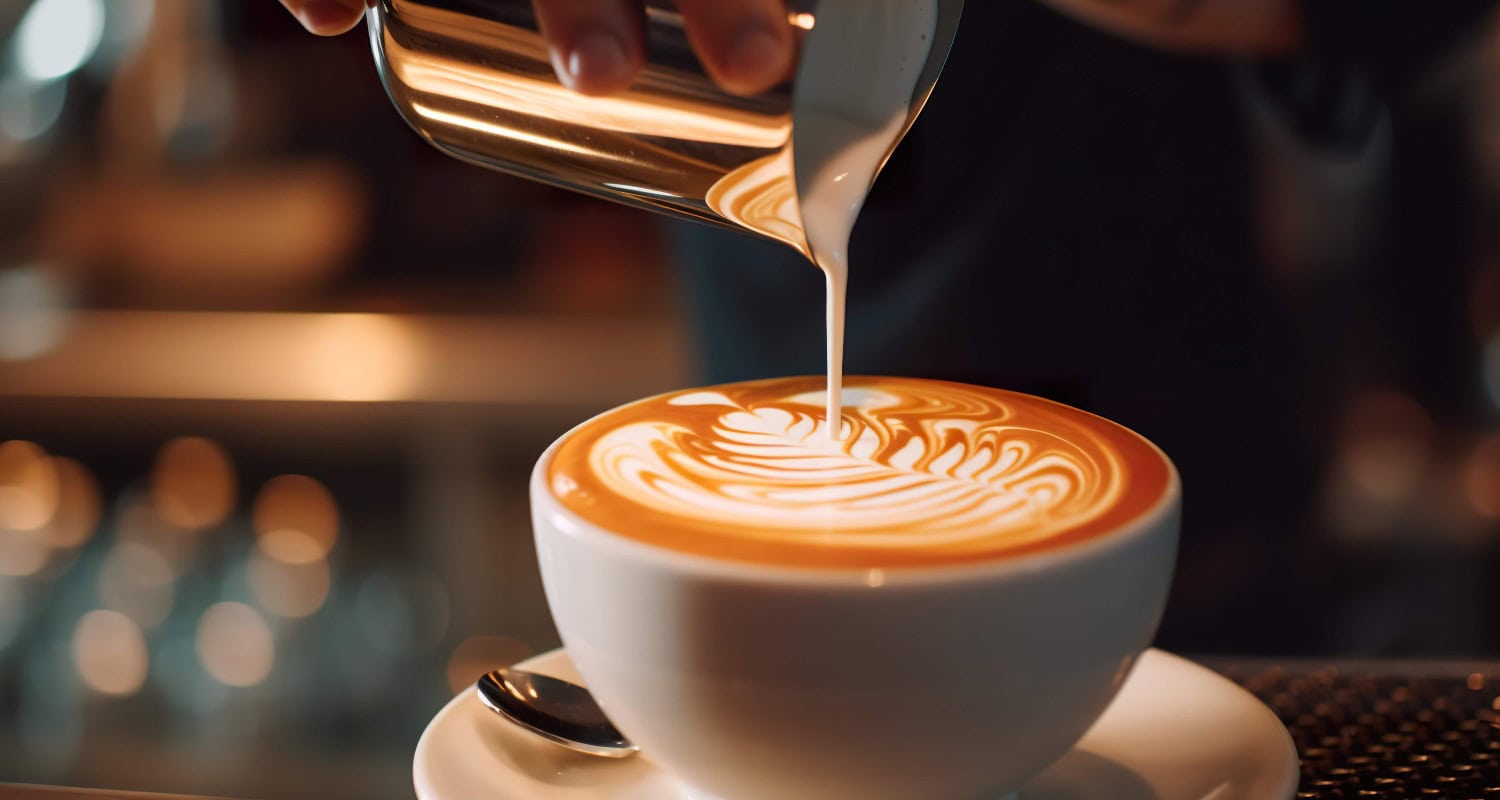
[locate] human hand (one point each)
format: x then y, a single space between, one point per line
597 45
326 17
747 46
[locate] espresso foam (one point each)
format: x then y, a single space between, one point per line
922 473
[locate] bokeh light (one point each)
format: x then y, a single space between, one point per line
34 306
296 520
137 580
77 515
287 590
235 645
291 546
477 655
126 23
1386 445
193 483
109 652
28 486
27 111
56 37
1482 477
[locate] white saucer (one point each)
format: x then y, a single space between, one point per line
1177 731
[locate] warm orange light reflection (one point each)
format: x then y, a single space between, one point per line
77 514
1482 477
622 113
803 20
505 131
361 357
34 485
477 655
291 546
299 504
288 590
109 652
234 644
242 355
193 483
28 486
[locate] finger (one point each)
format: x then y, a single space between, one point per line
746 45
326 17
596 44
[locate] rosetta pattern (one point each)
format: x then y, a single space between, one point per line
942 466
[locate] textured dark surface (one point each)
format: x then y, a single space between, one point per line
1377 731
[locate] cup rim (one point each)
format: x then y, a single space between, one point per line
546 505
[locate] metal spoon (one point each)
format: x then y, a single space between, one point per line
555 710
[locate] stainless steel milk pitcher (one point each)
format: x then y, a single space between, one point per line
474 78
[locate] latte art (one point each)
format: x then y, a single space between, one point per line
922 472
885 479
762 196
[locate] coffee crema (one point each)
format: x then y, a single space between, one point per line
924 473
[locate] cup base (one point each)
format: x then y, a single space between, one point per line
1220 735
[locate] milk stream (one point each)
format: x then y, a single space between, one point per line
829 210
854 89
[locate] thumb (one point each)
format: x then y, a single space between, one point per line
326 17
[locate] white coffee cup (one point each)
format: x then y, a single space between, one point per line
761 682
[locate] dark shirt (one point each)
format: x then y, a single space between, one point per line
1072 216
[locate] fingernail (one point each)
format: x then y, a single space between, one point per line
597 62
758 59
329 16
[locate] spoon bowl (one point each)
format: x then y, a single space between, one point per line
554 709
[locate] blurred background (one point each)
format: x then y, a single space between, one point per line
273 372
